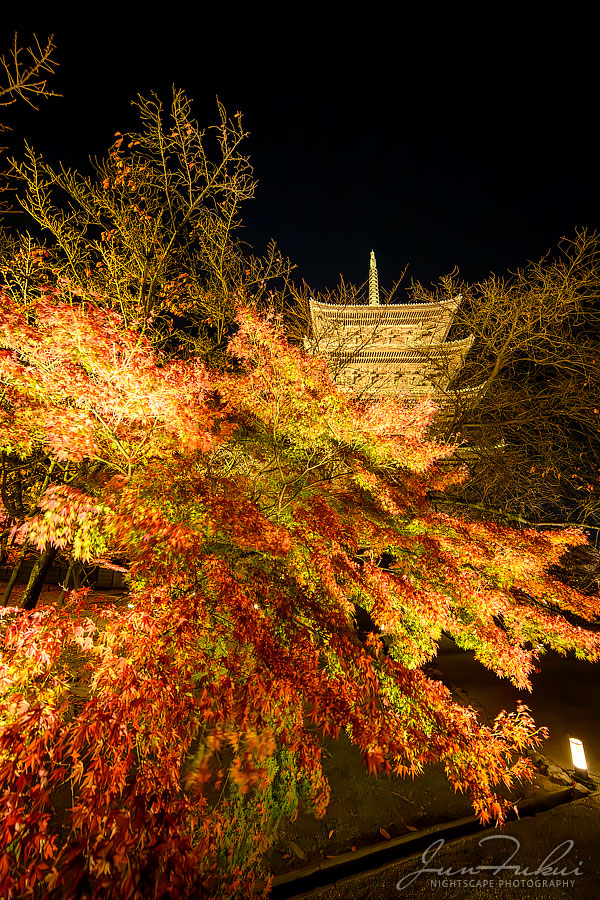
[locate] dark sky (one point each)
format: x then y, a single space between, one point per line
464 152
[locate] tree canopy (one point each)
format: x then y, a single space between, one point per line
149 413
155 229
252 509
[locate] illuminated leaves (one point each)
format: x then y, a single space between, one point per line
255 512
71 519
95 390
69 435
154 228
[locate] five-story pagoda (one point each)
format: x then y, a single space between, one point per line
379 350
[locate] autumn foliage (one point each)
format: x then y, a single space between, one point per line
150 749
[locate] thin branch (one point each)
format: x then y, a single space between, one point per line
27 82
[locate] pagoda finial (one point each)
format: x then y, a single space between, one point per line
373 282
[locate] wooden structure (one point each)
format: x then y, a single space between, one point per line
383 351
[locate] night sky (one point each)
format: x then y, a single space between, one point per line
474 152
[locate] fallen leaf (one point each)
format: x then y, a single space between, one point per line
412 828
330 833
298 851
385 834
286 856
353 849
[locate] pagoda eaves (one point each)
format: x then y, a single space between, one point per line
395 349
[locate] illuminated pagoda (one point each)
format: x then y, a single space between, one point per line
379 350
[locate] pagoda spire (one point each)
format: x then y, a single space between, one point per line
373 282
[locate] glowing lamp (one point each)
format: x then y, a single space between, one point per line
578 755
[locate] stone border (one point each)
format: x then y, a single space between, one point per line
346 867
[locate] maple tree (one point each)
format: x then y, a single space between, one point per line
252 504
154 230
27 83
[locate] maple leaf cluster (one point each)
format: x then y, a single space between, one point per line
252 509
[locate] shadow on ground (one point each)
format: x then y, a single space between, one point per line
364 810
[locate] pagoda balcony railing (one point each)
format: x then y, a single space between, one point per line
401 355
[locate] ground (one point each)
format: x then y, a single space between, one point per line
364 810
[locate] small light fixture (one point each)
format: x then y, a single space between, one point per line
578 756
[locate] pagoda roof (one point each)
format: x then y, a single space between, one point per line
402 355
391 314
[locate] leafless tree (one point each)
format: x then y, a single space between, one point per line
534 432
24 82
154 231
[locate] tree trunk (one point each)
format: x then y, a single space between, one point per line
72 564
14 575
7 544
38 577
77 572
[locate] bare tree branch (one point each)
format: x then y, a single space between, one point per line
24 82
28 81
